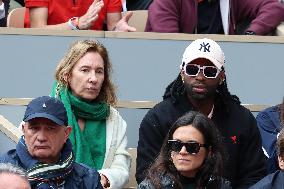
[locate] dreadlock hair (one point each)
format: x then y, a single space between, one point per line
176 88
223 91
212 167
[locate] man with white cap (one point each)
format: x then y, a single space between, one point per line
45 151
201 85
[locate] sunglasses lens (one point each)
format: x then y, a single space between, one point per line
176 146
210 72
192 148
191 70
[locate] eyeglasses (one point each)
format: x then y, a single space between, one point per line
210 72
192 147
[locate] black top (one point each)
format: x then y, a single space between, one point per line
3 21
187 183
138 4
209 17
21 2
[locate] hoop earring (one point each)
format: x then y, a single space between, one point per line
221 81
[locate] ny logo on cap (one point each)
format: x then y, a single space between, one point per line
205 47
44 105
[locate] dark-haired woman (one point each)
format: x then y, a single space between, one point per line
191 157
270 122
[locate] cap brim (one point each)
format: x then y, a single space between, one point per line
213 60
44 115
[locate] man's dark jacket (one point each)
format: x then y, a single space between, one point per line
246 161
81 177
271 181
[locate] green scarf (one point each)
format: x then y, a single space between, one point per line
89 145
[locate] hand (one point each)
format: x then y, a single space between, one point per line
122 24
104 181
86 21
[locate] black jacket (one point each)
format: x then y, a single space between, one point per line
138 4
167 183
246 161
271 181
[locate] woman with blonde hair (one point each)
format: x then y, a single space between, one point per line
98 135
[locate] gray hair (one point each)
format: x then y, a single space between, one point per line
12 169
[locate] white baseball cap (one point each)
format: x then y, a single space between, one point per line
204 48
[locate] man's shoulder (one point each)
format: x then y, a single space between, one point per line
166 106
163 111
235 112
236 108
273 179
270 112
10 157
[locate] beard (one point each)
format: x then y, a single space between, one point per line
207 94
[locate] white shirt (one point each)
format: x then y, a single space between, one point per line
2 11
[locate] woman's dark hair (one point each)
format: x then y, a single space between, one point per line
282 112
212 166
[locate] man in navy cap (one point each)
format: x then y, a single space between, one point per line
45 151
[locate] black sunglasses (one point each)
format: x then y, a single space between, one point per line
192 147
210 72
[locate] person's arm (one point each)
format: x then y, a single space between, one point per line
115 22
164 16
116 167
269 131
2 10
251 161
39 16
266 15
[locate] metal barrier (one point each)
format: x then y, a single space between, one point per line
14 133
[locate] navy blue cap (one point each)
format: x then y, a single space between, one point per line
47 107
